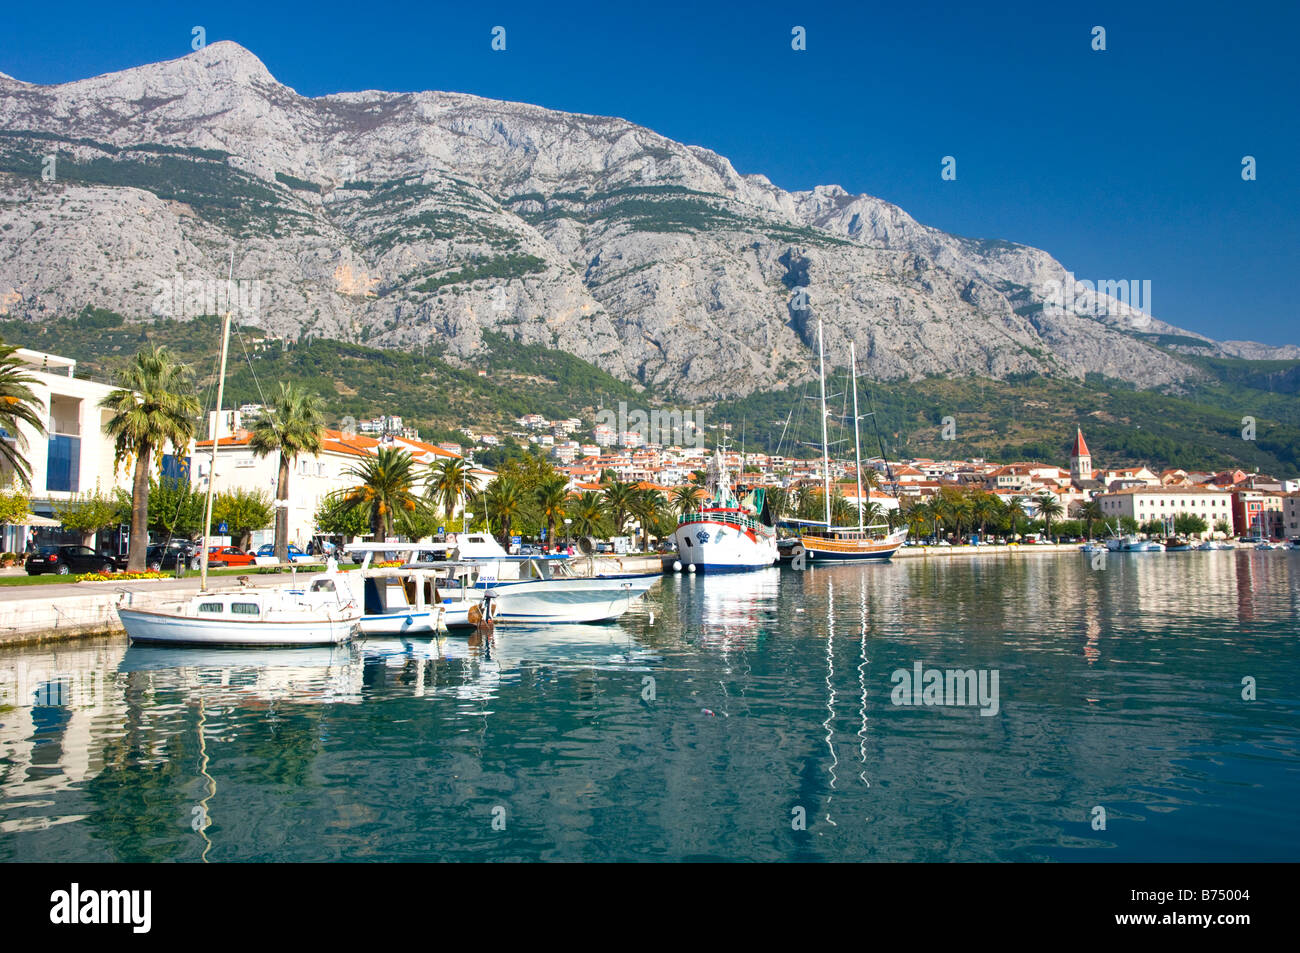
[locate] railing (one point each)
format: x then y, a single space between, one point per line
722 516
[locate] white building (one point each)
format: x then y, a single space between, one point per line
1146 503
75 454
311 479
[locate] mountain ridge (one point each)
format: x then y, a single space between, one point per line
410 219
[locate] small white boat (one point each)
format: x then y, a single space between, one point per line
1134 544
322 614
1092 548
426 597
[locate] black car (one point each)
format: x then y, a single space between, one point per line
69 559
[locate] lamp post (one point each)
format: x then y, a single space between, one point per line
466 516
568 534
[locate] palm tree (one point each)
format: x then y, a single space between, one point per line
386 488
1091 513
154 405
551 498
684 499
618 503
1015 511
1048 507
983 509
588 514
505 504
18 404
293 426
778 502
449 483
919 517
648 506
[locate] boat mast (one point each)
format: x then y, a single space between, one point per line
826 455
216 435
857 444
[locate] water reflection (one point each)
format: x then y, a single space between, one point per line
1119 687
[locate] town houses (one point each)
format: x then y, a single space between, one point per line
76 456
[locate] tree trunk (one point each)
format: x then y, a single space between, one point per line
282 511
135 560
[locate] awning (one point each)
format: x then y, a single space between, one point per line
31 519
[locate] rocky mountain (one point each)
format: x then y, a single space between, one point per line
417 219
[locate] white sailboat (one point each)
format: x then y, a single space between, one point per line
829 543
323 613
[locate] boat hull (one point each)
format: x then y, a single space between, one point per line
822 550
599 599
719 546
159 628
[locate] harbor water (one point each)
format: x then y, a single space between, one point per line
1141 707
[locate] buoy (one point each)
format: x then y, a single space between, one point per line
691 568
677 565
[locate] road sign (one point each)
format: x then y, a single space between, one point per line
223 529
516 540
441 532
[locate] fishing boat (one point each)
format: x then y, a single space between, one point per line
1178 544
828 543
1133 544
726 533
323 613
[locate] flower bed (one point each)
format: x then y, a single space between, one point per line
121 576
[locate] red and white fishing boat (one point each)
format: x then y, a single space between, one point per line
726 534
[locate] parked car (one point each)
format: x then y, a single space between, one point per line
230 556
167 558
69 558
296 555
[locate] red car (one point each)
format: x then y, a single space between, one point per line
230 556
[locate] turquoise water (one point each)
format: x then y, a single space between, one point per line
704 725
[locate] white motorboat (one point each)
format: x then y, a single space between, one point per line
322 614
1134 544
442 594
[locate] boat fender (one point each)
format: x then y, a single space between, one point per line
677 565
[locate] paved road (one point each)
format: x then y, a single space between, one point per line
188 584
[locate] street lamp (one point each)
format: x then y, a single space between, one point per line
466 516
568 535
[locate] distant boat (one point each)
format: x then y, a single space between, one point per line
1133 544
835 544
1177 544
1092 548
726 533
1214 544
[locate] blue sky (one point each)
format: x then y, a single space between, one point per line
1123 164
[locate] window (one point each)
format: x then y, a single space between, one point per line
209 606
63 464
245 608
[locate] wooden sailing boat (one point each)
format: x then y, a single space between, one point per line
833 544
321 613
